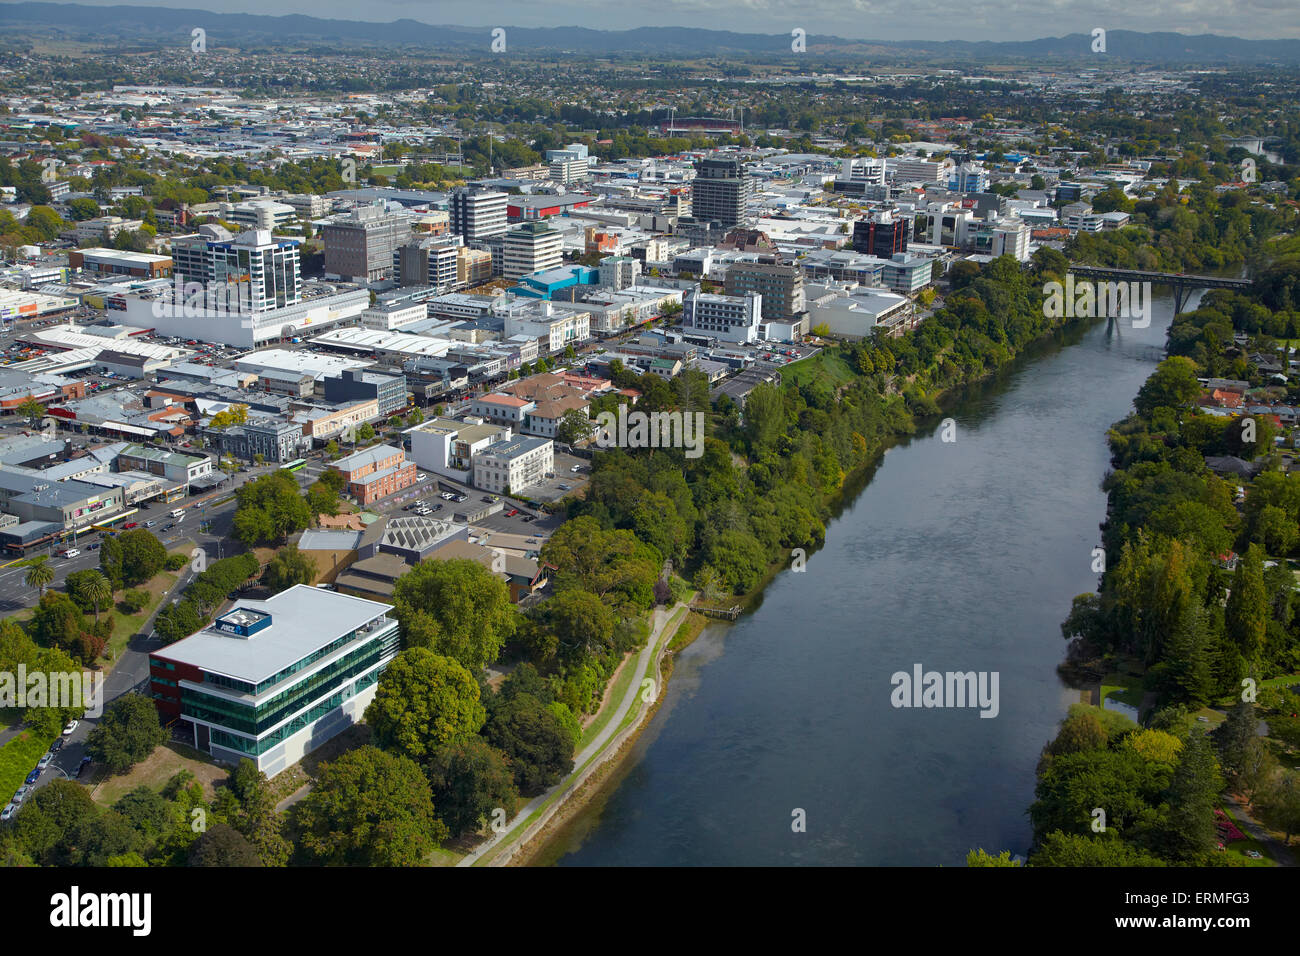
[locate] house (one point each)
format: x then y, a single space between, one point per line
376 472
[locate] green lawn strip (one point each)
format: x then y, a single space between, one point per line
126 626
633 712
613 695
441 857
1123 688
1236 851
18 758
1286 680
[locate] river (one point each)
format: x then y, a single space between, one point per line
959 556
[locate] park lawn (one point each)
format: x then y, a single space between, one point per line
613 694
18 758
1212 717
126 626
1236 851
1286 680
444 857
821 367
1124 688
155 770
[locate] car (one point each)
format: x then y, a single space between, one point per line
129 525
71 553
460 497
81 767
21 795
34 776
70 727
446 495
150 524
512 512
44 761
168 526
487 499
8 812
575 469
437 506
528 518
563 487
232 596
421 477
57 745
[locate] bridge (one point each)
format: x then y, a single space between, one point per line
1182 284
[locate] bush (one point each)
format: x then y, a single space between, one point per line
135 600
176 561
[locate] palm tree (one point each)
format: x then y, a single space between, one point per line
39 573
31 409
97 590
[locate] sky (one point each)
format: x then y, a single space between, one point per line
857 19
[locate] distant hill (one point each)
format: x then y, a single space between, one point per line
155 26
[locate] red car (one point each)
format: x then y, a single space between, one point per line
129 525
512 512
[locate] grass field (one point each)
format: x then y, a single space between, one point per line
156 769
823 366
125 626
18 758
1237 850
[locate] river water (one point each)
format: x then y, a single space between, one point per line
958 556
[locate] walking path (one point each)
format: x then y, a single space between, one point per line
529 821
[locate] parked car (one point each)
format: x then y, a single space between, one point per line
575 469
7 813
512 512
72 725
71 553
150 524
44 761
528 518
421 477
34 776
21 795
446 495
57 745
129 525
81 767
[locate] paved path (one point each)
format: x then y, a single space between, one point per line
599 748
1281 853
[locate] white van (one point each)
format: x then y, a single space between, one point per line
178 514
71 553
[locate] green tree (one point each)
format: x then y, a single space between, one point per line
270 508
94 589
979 857
39 573
580 621
1247 614
223 845
1189 834
424 701
143 556
50 815
289 567
470 781
126 734
110 560
369 808
533 739
456 608
1172 385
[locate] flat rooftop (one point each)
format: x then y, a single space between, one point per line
303 620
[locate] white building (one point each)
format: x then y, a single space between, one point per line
732 318
514 464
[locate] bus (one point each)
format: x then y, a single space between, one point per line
108 524
293 465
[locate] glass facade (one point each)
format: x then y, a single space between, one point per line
319 693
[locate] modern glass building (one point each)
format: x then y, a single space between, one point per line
273 680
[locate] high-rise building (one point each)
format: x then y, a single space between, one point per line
722 191
262 270
477 213
569 165
880 235
532 247
780 285
969 178
360 245
423 261
733 318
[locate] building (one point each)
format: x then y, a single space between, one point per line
969 178
500 409
780 285
429 261
174 466
553 328
515 464
448 447
852 312
138 265
390 316
880 235
473 267
273 680
722 191
477 213
376 472
265 271
1079 217
353 385
569 165
618 272
733 318
916 170
105 228
67 505
533 247
275 441
261 214
360 246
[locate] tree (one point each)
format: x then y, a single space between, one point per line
254 814
223 845
126 734
1234 735
234 415
470 782
94 589
57 621
1189 834
30 409
289 567
1247 614
580 620
575 425
1172 385
423 702
369 808
39 573
270 508
534 740
49 815
456 608
1075 849
979 857
143 556
110 560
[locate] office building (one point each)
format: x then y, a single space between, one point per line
477 213
272 680
722 191
512 465
780 285
428 261
376 472
261 270
360 245
533 247
732 318
880 235
354 385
